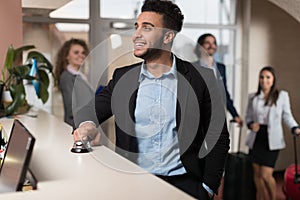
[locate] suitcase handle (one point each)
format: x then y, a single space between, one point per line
240 135
297 175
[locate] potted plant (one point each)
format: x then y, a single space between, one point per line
14 72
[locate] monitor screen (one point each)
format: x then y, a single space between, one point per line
16 159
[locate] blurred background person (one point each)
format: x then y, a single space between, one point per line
205 49
68 61
265 111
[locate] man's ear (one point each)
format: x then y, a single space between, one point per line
169 37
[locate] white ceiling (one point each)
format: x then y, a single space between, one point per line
290 6
45 4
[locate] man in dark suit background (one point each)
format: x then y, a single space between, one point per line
205 49
168 114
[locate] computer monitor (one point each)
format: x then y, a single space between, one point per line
16 158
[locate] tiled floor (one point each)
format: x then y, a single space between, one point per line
279 182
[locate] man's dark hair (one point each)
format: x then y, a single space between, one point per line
200 41
204 36
172 16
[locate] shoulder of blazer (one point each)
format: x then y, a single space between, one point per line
66 77
183 66
195 66
66 74
283 95
251 96
128 67
221 67
122 70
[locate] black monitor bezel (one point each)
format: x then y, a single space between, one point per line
28 154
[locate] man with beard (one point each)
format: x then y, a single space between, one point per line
164 108
205 49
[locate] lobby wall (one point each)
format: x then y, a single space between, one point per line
11 26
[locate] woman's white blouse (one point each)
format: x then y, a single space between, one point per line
263 110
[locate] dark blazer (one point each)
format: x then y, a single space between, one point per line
229 103
221 76
203 139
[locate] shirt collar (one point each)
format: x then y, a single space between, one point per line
145 73
261 95
202 63
75 72
72 70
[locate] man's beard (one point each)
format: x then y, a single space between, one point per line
211 54
151 54
154 52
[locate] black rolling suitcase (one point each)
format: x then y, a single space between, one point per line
238 178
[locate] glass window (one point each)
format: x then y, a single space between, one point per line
208 11
76 9
123 9
195 11
72 27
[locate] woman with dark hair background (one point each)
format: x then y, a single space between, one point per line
265 111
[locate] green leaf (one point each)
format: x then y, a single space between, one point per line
44 78
12 107
20 50
40 58
43 93
42 66
44 84
21 91
18 95
12 90
21 71
30 78
9 58
46 67
17 90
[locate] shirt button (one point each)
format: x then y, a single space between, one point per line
155 142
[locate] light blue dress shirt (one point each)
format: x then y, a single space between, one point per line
155 116
155 127
213 67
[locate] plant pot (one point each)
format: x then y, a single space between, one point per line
6 98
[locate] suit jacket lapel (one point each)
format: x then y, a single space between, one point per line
187 114
130 81
220 74
182 91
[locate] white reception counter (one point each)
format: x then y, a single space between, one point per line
62 174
